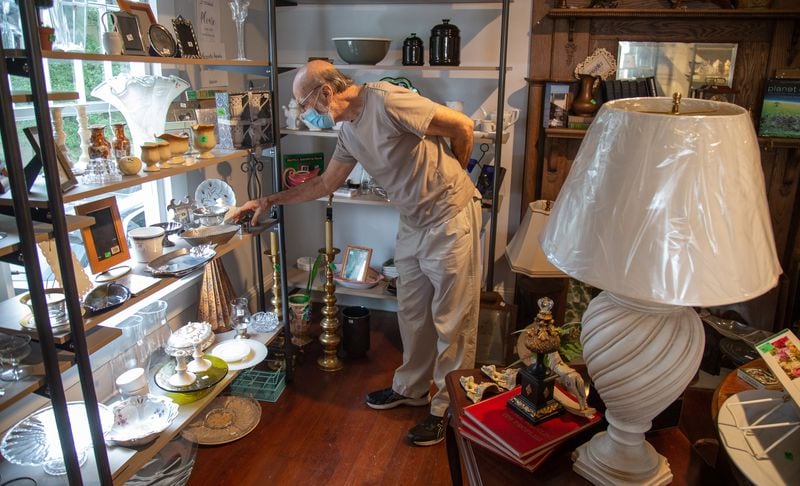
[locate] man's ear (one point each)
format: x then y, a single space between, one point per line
327 93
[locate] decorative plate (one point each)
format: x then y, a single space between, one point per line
214 191
34 440
181 262
226 419
106 296
205 379
139 420
257 353
161 41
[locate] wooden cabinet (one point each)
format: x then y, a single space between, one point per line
767 39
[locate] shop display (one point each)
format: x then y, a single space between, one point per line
445 45
226 419
139 420
180 262
214 191
34 440
239 14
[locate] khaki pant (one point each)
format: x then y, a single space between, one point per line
438 295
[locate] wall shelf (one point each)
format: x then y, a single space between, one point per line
745 14
56 96
397 67
479 137
38 195
299 279
362 199
42 231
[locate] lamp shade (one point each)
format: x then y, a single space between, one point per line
666 208
523 251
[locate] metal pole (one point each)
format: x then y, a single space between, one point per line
498 144
276 178
60 231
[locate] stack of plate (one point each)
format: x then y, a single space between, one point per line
389 270
171 466
239 353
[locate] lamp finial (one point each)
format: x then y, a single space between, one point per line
676 103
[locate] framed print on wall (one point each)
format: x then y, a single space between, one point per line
65 176
184 36
105 241
355 264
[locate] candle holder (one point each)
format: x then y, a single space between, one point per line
329 338
276 280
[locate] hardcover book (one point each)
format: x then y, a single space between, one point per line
530 463
517 435
780 111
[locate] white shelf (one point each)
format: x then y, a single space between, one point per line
479 137
365 200
398 67
297 278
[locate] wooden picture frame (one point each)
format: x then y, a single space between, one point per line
128 27
65 175
105 241
144 14
355 263
185 38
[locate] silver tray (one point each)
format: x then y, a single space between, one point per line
181 262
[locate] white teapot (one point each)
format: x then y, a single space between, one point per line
292 114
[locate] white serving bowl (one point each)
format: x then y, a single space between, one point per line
139 420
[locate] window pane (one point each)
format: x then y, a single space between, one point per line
62 77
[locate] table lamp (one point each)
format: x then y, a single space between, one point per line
523 251
664 209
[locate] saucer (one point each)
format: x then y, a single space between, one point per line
256 354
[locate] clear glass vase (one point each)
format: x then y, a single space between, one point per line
239 14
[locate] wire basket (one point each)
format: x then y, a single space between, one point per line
265 386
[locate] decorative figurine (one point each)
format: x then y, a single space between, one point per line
535 401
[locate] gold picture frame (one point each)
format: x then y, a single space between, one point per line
355 263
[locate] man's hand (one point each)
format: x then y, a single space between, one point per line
254 209
456 126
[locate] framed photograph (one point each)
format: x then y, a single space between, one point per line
556 105
161 41
105 241
355 264
128 27
65 176
187 41
144 14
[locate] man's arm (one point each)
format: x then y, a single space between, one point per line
457 127
330 180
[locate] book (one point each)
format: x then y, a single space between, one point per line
780 110
579 121
758 378
493 417
530 464
781 353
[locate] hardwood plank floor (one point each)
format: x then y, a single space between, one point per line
321 432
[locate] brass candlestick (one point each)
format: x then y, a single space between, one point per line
329 338
276 277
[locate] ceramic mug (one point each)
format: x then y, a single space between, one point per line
147 243
112 43
488 126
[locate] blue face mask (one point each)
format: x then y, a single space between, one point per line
319 120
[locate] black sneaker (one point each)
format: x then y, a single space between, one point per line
387 398
428 432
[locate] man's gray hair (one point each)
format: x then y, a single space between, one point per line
338 80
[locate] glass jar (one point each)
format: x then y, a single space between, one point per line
121 146
99 146
445 46
412 51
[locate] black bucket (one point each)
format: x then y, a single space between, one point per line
355 331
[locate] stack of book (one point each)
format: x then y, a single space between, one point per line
614 89
494 426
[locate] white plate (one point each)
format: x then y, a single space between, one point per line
776 468
257 354
214 191
232 351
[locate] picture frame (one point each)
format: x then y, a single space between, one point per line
185 38
599 63
66 177
161 42
105 241
144 14
128 27
355 263
556 105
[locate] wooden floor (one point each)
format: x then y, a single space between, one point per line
321 432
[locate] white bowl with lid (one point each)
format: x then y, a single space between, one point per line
147 243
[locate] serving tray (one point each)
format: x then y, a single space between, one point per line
181 262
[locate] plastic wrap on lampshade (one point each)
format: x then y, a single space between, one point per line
666 208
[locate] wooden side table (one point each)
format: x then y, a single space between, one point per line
482 467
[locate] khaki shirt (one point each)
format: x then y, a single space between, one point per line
420 174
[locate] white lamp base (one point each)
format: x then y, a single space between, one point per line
641 356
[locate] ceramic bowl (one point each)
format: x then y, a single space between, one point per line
139 420
210 215
362 50
207 235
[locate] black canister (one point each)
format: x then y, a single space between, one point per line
445 48
355 331
412 51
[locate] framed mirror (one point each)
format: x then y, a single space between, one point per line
678 66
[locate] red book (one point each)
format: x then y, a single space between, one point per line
473 429
529 464
516 434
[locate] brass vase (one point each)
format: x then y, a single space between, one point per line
585 103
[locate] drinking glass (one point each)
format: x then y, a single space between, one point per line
14 349
156 332
135 352
240 317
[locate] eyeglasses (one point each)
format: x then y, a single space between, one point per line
302 103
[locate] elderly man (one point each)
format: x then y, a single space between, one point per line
400 138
